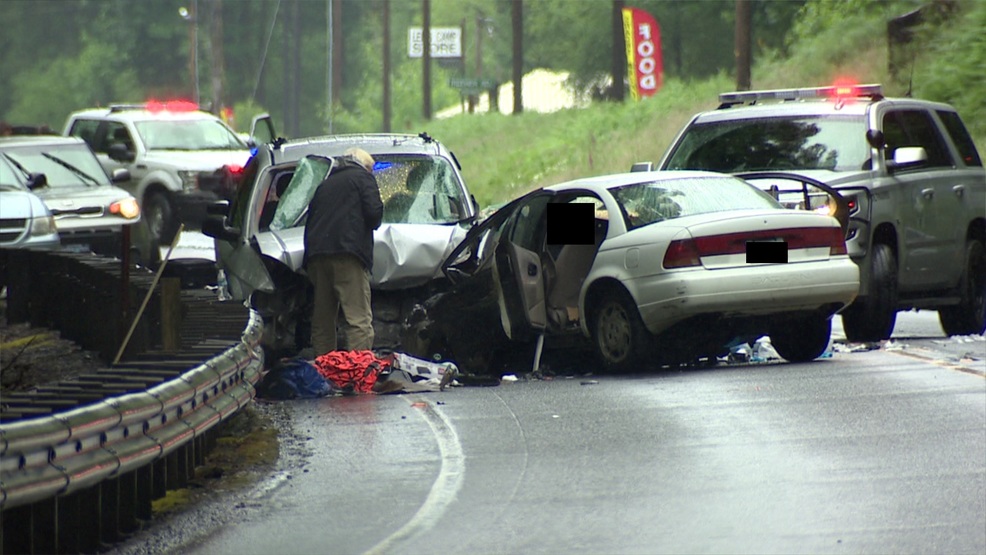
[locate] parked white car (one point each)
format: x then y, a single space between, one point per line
650 266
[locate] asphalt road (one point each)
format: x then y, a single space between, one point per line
866 452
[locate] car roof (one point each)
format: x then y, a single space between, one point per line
374 143
139 113
816 107
34 140
603 182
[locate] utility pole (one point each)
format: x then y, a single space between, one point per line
517 28
744 17
386 66
426 58
218 58
619 59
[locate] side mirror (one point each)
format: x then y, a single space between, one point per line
120 175
119 152
218 208
908 156
36 181
215 227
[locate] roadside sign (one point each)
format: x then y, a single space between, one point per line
471 85
446 42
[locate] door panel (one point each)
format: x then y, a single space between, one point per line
526 266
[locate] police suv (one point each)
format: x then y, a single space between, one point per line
181 158
913 182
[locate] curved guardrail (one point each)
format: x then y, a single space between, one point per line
89 473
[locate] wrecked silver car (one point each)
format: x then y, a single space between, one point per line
260 239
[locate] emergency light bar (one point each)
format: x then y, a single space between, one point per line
873 91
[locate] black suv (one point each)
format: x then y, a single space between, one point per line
910 173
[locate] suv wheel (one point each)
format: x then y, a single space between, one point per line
618 331
969 316
803 340
160 217
873 317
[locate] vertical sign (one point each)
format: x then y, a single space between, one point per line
645 67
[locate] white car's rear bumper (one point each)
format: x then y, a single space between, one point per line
744 291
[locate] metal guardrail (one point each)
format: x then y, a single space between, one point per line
75 480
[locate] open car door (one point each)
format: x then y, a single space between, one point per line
504 253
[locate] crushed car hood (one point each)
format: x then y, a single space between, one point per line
404 255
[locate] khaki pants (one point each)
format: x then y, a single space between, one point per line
340 281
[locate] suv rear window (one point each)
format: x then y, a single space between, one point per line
829 143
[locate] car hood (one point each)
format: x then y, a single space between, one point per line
197 160
70 199
18 204
404 255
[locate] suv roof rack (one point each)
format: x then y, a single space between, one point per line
124 107
838 92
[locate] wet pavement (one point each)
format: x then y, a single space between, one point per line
867 451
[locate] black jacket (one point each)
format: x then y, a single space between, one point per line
343 213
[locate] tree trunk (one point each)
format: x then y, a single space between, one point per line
517 27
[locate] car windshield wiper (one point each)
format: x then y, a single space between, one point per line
71 168
16 164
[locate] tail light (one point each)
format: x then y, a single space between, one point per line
682 253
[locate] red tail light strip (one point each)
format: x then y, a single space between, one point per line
686 252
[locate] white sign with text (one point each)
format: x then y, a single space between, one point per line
446 42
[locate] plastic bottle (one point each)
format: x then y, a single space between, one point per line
223 286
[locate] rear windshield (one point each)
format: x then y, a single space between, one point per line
651 202
835 143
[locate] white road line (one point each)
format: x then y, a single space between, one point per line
446 486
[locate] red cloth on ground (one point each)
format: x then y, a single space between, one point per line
357 370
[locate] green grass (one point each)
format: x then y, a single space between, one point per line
505 156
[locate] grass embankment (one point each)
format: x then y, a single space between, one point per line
504 156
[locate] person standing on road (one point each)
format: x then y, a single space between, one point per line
342 215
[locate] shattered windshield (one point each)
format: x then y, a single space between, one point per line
651 202
198 134
835 143
419 189
63 166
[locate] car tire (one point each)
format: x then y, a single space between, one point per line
873 317
802 341
618 332
160 215
969 316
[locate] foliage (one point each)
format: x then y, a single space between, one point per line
951 68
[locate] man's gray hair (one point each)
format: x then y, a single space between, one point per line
362 157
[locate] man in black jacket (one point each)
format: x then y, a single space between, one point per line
342 215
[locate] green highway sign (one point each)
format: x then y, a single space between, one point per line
471 84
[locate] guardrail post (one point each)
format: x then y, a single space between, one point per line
109 508
90 520
171 314
145 492
128 503
44 516
67 523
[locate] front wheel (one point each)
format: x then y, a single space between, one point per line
873 318
620 338
969 316
803 340
160 216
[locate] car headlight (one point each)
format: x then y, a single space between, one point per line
127 208
189 180
44 225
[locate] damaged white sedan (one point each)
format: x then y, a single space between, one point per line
643 267
260 241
